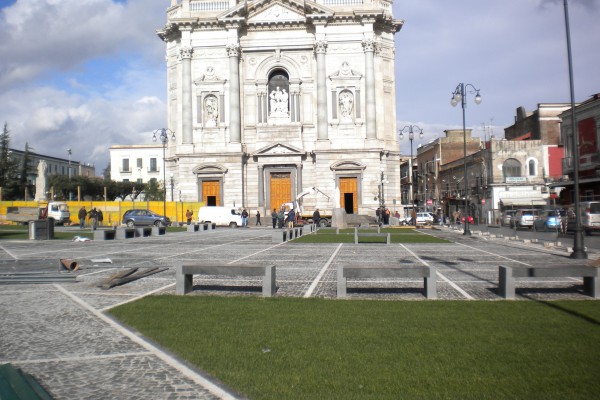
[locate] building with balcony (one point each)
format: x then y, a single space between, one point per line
587 117
270 97
136 163
56 165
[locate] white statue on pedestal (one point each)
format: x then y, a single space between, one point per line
279 103
40 182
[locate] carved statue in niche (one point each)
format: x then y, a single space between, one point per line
41 181
279 103
211 111
346 104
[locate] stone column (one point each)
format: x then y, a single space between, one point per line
369 49
233 51
261 186
320 49
299 179
186 101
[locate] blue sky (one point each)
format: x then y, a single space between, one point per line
87 74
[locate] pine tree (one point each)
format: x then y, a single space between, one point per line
7 164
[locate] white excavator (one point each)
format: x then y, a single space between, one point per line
306 215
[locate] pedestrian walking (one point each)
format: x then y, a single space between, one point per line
188 216
258 218
82 214
274 218
93 216
100 217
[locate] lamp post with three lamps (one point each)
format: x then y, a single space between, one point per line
164 135
460 95
411 129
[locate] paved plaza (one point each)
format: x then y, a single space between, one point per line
60 332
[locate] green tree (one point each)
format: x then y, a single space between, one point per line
106 172
8 166
153 191
24 171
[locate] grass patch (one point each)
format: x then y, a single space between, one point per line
347 236
290 348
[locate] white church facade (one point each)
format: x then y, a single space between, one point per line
270 97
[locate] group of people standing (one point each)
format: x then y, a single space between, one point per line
95 217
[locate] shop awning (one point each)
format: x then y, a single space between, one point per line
524 201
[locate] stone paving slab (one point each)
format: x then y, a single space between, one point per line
58 334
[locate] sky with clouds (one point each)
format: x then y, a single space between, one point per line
87 74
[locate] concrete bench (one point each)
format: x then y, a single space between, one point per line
145 231
356 271
358 234
104 234
507 275
124 233
309 228
185 272
159 230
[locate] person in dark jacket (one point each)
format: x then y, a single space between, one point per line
316 217
291 218
82 214
274 218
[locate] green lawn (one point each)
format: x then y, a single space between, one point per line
399 235
291 348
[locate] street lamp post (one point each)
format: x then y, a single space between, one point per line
69 174
411 129
163 136
578 246
460 95
172 184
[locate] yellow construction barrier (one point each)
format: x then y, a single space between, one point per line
112 211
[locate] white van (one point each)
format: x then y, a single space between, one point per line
590 216
223 216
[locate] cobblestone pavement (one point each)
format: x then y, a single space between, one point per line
60 333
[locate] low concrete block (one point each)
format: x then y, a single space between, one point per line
124 233
279 236
159 230
104 234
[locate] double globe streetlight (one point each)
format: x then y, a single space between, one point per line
460 96
164 135
411 129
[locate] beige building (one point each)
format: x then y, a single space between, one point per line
270 97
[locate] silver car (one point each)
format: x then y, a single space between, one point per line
507 217
524 218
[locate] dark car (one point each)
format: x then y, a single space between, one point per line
144 217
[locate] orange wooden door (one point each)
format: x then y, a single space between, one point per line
349 193
211 193
280 189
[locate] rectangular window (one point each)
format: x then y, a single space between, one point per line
139 163
139 180
125 166
153 165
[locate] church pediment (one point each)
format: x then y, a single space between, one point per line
209 169
276 13
267 12
279 149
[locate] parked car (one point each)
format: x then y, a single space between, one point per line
144 217
590 216
549 220
524 218
424 218
507 216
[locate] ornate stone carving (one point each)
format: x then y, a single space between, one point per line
279 103
320 46
233 50
186 52
346 105
368 44
211 111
